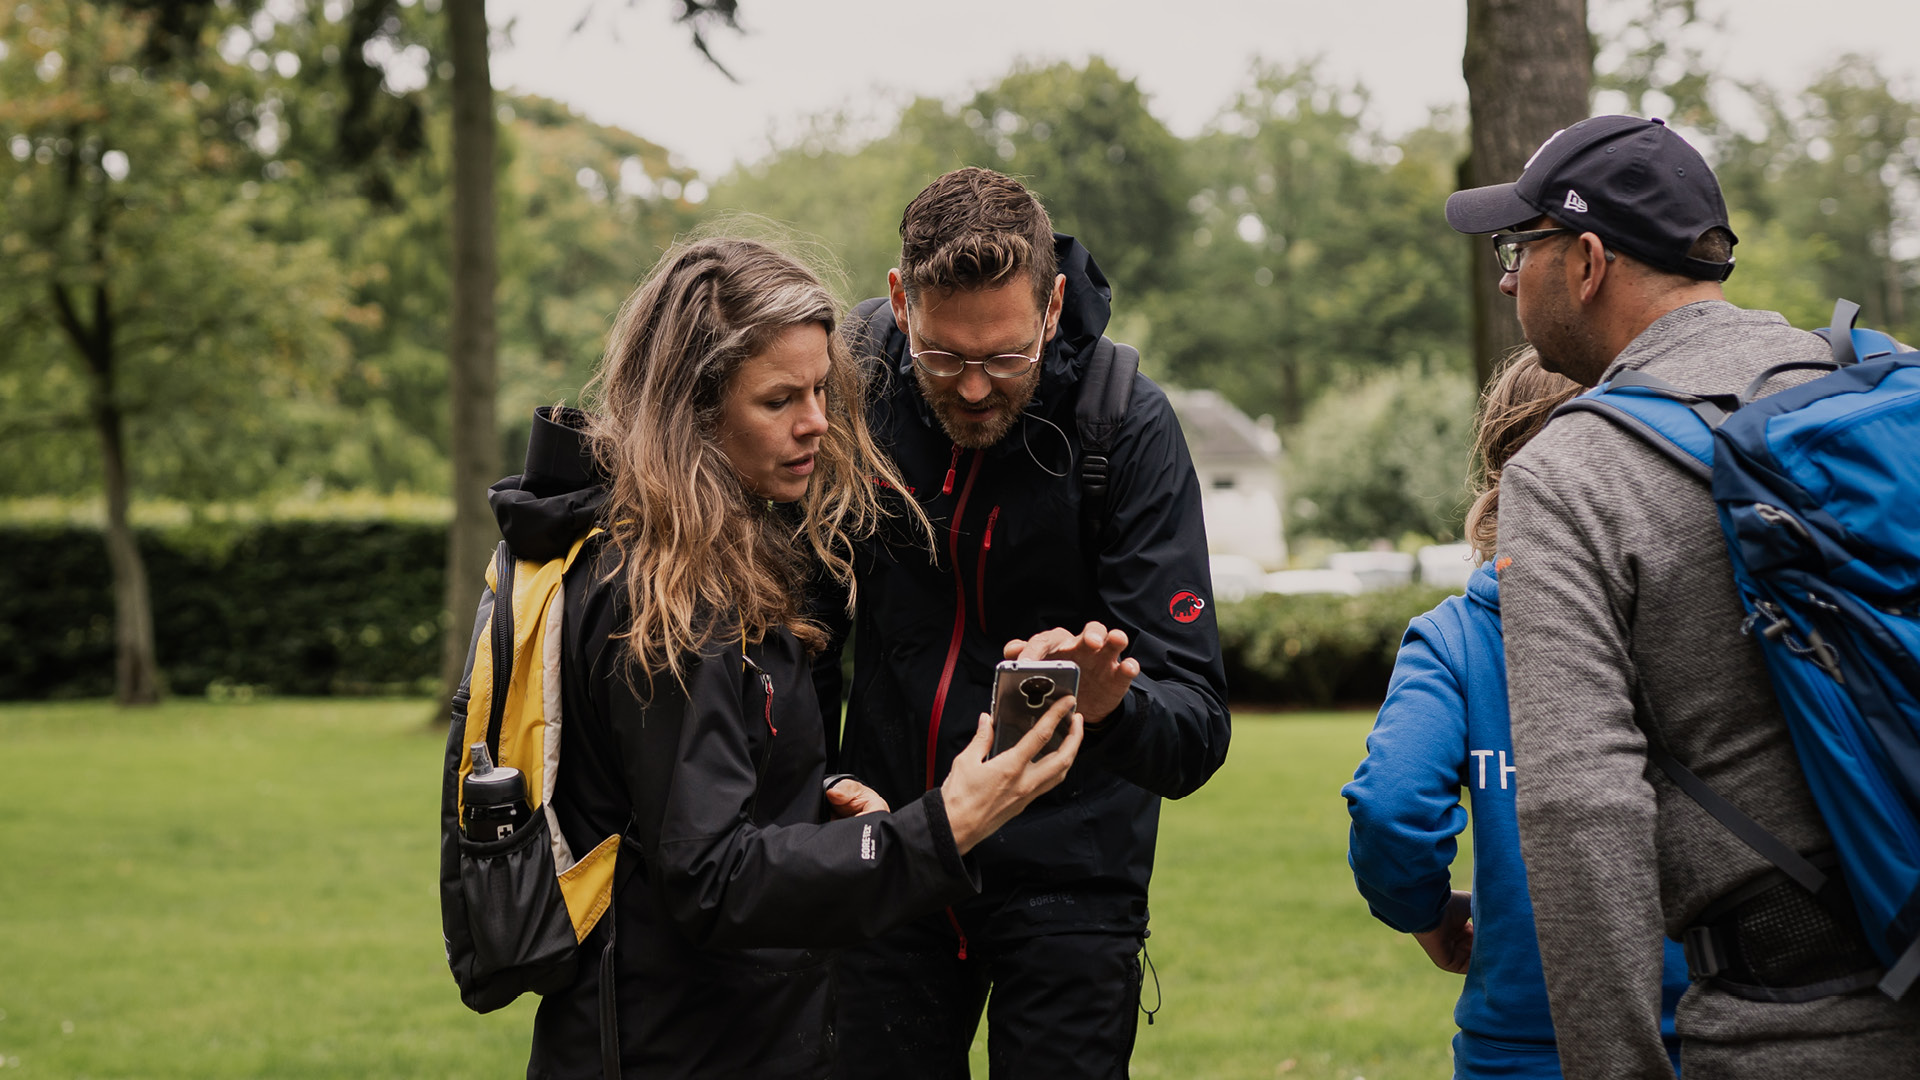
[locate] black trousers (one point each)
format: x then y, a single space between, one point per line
1061 1006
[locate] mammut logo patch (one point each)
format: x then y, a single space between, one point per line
866 843
1575 202
1186 606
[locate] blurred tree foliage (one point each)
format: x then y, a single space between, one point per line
1082 137
1384 454
134 196
283 320
1832 181
284 291
1315 249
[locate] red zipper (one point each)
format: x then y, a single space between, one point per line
959 617
953 646
953 464
957 932
766 683
980 578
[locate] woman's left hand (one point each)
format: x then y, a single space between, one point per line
851 798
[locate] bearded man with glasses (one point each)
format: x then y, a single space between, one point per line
981 351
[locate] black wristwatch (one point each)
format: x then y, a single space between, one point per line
827 784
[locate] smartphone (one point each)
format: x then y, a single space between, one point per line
1022 691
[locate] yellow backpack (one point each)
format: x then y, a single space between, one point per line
516 901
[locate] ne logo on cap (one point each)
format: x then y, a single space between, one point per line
1575 202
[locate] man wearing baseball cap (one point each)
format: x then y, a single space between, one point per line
1623 633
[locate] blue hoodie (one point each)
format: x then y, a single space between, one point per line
1443 728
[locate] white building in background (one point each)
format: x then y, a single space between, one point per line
1447 566
1238 462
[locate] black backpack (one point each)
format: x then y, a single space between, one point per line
517 903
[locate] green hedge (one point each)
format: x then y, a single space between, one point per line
297 607
1317 650
353 607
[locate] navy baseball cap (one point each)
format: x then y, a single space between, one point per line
1632 182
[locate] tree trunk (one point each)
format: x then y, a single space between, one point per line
472 365
136 670
136 667
1529 69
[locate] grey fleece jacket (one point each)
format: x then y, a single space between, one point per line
1619 592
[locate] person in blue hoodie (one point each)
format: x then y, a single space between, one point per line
1443 731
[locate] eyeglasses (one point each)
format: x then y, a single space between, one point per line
1506 246
946 365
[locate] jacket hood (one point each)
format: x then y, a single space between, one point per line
1089 300
1084 312
1483 587
558 494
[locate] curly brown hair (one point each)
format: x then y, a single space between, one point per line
976 229
700 556
1513 409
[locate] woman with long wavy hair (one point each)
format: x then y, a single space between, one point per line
724 453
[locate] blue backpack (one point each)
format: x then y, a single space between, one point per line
1818 492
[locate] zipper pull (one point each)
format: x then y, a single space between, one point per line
766 685
986 541
953 466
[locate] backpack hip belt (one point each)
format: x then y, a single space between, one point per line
1772 940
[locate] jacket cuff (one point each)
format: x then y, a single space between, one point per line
955 864
1124 716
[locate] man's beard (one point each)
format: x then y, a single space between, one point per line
1567 343
1007 398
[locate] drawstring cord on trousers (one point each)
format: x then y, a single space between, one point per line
1158 998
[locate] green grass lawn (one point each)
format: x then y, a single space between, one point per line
249 891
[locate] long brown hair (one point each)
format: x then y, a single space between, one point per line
1513 409
700 556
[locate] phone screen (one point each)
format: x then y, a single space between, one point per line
1025 689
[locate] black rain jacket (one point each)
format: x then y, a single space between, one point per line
1015 557
743 884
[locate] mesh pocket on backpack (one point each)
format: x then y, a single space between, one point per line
515 911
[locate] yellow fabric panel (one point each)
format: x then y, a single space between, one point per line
536 589
523 731
587 886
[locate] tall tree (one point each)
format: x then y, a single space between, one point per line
1529 69
135 282
472 363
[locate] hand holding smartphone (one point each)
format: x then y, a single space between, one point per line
1022 692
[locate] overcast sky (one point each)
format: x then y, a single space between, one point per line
634 69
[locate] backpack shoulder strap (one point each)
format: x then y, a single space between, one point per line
1736 821
1672 421
1106 390
1852 344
